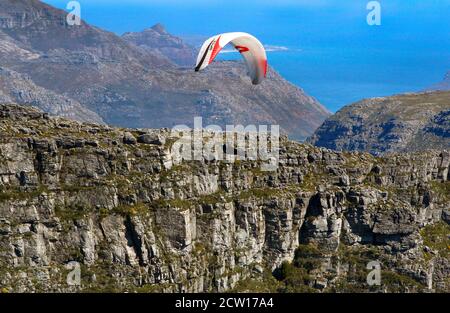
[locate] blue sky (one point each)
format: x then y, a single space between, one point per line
333 54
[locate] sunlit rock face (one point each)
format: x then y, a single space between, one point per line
136 217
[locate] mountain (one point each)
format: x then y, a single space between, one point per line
138 219
43 31
128 83
18 88
156 39
444 85
402 123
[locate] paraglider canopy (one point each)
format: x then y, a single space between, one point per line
250 48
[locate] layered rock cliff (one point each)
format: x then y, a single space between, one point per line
136 218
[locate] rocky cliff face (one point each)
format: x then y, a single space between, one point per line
131 82
403 123
136 218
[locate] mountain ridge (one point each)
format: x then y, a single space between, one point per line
401 123
158 40
20 89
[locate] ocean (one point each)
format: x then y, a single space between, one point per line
324 46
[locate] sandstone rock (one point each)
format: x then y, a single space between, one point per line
151 138
129 139
133 223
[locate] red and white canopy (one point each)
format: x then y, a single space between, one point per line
251 49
